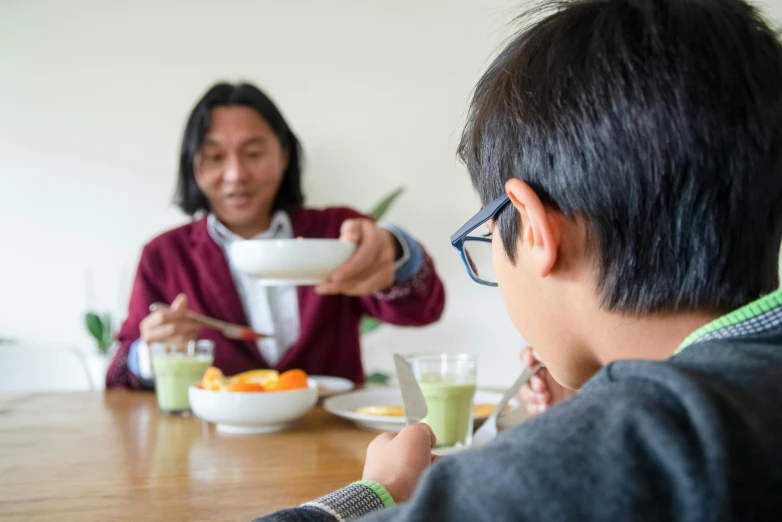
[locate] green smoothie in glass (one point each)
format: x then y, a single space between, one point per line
450 411
448 383
176 367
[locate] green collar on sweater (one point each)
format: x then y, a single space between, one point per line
755 318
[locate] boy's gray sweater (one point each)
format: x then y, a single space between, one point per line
695 438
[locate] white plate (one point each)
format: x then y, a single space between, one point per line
345 406
328 386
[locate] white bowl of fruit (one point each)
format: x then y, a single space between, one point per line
258 401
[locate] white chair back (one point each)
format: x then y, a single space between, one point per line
28 367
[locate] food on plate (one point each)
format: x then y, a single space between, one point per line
383 411
254 381
479 410
484 410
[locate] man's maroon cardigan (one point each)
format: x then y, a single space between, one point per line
187 260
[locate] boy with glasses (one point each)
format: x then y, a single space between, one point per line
629 157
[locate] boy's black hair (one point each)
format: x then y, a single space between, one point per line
188 196
657 122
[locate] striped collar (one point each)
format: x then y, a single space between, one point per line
279 228
755 318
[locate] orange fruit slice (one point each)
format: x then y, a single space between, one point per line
213 379
290 380
243 387
261 377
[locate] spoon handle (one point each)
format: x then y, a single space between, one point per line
511 392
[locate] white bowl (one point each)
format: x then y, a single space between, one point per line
252 412
290 261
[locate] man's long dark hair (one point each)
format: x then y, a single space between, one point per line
188 196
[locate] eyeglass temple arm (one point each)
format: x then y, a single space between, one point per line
485 214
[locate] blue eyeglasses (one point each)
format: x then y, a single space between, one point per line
475 251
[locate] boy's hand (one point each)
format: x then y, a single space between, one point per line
542 391
397 460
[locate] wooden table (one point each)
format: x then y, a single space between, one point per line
102 457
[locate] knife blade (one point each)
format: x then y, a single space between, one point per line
412 397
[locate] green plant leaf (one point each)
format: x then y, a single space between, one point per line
94 326
382 207
108 334
368 324
378 378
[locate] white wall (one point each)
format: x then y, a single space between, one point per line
94 96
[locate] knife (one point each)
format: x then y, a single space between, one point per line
412 397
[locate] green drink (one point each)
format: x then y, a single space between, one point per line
176 367
448 383
450 411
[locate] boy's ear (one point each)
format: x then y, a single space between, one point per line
540 234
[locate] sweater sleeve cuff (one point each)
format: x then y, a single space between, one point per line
412 253
419 285
140 364
354 501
